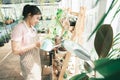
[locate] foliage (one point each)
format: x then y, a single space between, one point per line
113 3
81 76
115 50
103 40
107 67
56 27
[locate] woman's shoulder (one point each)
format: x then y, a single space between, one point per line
19 26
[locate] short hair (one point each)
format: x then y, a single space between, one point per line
30 9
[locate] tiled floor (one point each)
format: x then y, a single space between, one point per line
10 68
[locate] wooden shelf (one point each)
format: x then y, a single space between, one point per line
64 66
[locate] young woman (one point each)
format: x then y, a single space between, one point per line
24 43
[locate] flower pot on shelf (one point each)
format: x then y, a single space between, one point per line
9 21
62 50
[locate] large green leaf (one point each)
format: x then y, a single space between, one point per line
113 77
81 76
108 67
103 40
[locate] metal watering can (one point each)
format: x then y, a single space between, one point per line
48 45
70 46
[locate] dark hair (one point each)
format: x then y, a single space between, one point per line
32 9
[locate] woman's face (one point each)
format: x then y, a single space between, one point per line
34 19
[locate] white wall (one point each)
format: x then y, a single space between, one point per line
116 22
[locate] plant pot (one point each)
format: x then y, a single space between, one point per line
1 44
72 23
62 50
9 21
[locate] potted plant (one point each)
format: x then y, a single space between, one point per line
8 20
106 65
56 31
2 41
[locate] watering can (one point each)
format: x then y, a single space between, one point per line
70 46
48 45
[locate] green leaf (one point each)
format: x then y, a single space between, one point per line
59 13
113 52
116 38
108 67
111 77
103 40
65 34
114 3
102 19
98 25
96 79
96 3
87 67
65 75
117 35
115 13
81 76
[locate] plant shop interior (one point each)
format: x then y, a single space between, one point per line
79 39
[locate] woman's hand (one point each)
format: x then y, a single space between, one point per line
38 44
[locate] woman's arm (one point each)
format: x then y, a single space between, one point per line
18 49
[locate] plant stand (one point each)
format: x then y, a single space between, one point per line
79 27
60 74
